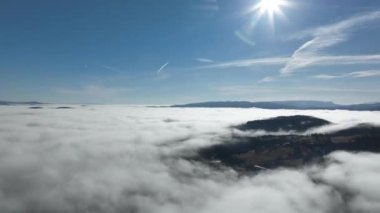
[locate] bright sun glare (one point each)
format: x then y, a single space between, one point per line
270 7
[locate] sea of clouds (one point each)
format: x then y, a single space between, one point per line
131 159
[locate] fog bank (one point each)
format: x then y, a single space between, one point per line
129 159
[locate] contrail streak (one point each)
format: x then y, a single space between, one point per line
162 67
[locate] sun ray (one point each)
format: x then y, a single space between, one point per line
271 8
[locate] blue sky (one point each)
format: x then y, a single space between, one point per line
179 51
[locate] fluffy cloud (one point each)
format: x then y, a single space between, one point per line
130 159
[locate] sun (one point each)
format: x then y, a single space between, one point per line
270 7
256 11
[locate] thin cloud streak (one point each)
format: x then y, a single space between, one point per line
247 63
160 74
205 60
308 54
268 79
323 38
358 74
311 61
112 69
162 67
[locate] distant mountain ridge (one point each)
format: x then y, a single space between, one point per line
20 103
284 105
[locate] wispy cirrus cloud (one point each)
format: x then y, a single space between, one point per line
268 79
247 63
357 74
205 60
311 53
315 61
323 38
112 69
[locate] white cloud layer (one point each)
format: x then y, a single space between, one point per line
127 159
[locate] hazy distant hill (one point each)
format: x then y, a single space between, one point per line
284 105
369 106
20 103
